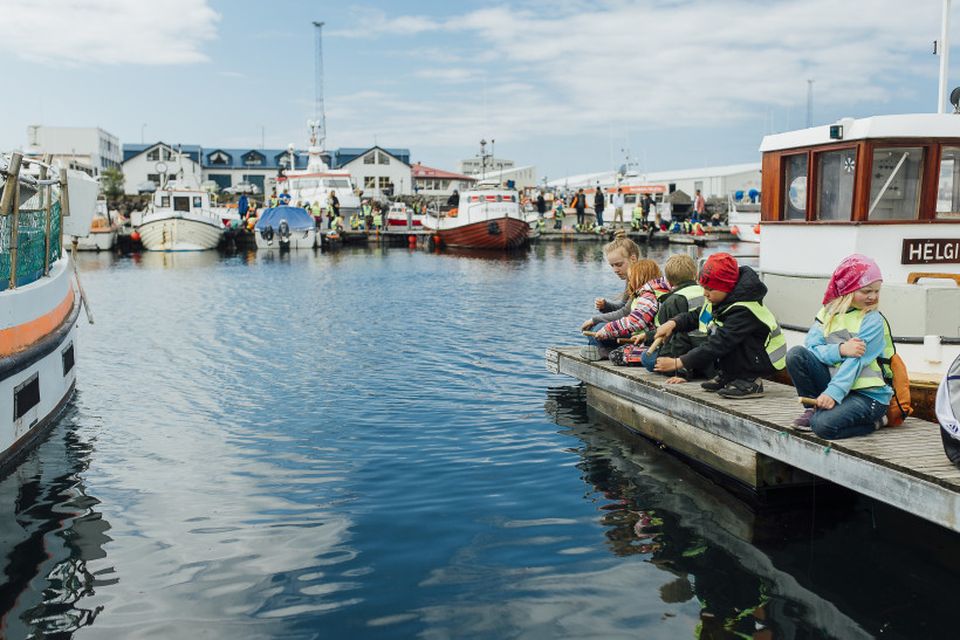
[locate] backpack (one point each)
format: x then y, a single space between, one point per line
895 375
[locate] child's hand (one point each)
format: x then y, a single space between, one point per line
600 303
586 325
855 347
665 365
601 335
825 402
665 330
676 380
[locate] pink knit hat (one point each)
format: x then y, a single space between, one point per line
854 272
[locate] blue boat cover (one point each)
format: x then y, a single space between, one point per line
296 217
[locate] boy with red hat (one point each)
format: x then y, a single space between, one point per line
743 342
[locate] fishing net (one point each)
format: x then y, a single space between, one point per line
31 246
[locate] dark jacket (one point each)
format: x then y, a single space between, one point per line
737 348
598 201
579 203
541 205
672 305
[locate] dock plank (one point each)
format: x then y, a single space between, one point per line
902 466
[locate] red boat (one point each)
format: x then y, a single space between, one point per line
485 219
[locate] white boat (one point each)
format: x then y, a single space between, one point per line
487 218
285 228
887 187
102 235
317 181
743 218
180 218
399 214
38 306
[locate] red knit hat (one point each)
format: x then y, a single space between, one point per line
720 272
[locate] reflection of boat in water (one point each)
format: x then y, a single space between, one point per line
286 228
485 219
887 187
38 306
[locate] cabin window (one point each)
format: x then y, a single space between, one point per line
835 171
338 184
795 187
895 183
197 202
181 203
948 188
164 201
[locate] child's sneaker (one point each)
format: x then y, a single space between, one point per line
741 388
590 353
802 422
714 385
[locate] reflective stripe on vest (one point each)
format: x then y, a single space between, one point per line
847 327
694 295
775 345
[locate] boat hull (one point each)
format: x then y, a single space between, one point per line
94 241
37 354
179 234
497 233
298 240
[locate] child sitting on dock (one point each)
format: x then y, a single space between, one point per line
620 253
648 285
839 364
685 296
743 342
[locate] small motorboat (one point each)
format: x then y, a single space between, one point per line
285 227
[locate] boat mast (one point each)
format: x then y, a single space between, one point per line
944 56
317 126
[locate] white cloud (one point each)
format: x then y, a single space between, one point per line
82 32
580 69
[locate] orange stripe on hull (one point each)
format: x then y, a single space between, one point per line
510 234
18 338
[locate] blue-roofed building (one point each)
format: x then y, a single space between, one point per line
345 155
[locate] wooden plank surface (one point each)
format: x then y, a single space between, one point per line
903 466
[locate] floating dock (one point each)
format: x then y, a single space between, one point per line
753 441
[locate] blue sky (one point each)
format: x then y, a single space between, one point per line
568 86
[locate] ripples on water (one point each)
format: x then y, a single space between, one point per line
367 444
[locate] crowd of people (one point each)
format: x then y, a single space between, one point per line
712 325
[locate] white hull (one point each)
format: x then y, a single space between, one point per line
41 376
298 240
179 234
93 242
744 225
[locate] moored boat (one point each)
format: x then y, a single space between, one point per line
743 220
38 305
316 182
402 215
486 218
180 219
102 235
285 228
887 187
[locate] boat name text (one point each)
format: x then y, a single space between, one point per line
930 251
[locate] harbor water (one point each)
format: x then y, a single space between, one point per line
367 444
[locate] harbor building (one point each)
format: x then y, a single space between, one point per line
713 182
378 172
87 149
436 183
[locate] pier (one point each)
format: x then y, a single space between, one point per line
753 441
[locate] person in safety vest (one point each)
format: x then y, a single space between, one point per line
367 212
637 218
316 210
646 285
685 296
839 363
744 341
558 212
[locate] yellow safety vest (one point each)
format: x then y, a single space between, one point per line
694 295
776 344
847 327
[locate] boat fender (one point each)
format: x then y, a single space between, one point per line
756 229
735 230
493 228
135 236
267 233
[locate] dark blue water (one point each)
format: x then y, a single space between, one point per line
367 444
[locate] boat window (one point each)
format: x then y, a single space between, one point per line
795 187
895 183
835 171
197 202
181 203
948 189
164 201
338 184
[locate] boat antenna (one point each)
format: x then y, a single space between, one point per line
944 56
319 126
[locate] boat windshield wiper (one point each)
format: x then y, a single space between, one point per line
893 174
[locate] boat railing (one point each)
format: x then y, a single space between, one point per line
31 219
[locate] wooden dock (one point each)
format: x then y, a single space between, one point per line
753 441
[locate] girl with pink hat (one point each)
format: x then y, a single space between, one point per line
838 364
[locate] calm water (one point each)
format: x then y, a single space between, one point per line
367 444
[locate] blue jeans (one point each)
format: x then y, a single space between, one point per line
608 345
855 415
649 360
600 218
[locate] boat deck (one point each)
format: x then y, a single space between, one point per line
903 466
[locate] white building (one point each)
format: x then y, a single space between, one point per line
718 182
158 163
379 173
430 182
89 149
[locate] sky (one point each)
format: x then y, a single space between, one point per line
568 86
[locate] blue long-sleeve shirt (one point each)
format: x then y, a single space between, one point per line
871 332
